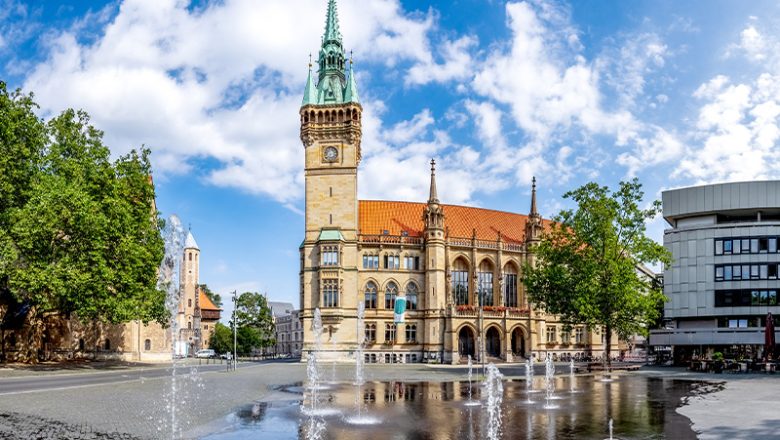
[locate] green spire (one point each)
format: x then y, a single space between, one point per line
310 94
351 94
332 24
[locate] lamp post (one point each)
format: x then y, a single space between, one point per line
235 338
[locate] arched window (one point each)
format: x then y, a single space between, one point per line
390 294
370 299
510 286
189 325
411 296
189 303
147 344
485 284
81 344
107 344
190 254
460 282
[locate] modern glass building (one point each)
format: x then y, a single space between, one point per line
725 245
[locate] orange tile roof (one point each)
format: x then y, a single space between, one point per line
377 216
205 303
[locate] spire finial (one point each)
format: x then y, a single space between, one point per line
310 61
350 59
433 197
533 211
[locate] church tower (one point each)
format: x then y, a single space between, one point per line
190 274
330 117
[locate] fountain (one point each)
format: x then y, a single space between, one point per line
610 430
549 382
494 387
572 388
360 418
168 281
471 368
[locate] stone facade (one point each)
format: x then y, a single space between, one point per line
289 334
462 264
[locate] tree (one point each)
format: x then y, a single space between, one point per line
221 339
252 310
77 231
586 263
215 297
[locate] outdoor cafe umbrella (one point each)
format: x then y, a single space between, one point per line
769 337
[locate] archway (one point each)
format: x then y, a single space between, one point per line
493 342
466 342
518 342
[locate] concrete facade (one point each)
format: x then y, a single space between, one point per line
723 280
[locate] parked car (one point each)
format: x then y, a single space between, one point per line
206 353
227 356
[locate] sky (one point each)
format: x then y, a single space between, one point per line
673 93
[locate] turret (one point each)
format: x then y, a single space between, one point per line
433 216
533 227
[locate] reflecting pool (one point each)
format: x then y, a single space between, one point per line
640 407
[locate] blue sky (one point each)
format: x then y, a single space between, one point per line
675 93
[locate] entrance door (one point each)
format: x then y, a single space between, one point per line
518 342
493 342
466 342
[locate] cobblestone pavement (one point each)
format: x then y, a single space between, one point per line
15 426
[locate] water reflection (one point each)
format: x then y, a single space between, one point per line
642 408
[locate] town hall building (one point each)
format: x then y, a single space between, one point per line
457 267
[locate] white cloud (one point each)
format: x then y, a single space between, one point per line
221 82
626 67
738 131
457 65
759 47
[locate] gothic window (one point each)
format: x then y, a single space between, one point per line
370 299
579 335
189 325
460 282
147 344
551 334
411 333
411 296
485 284
190 254
565 337
330 293
189 303
392 262
389 333
107 344
411 262
330 256
510 286
391 292
370 332
370 261
81 343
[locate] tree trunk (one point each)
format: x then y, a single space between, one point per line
608 348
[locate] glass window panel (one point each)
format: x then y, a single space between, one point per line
764 297
737 273
772 245
719 273
763 271
754 246
772 271
762 245
736 245
718 247
755 296
772 298
733 323
754 271
727 246
727 273
745 245
743 323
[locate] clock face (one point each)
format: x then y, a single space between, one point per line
331 153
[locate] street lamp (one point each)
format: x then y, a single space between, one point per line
235 354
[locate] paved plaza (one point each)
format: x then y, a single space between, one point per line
129 402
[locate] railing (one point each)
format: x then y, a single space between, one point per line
389 239
491 312
485 244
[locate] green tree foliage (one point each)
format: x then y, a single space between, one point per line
252 310
221 339
586 263
77 230
215 297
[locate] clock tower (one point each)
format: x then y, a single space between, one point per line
331 118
